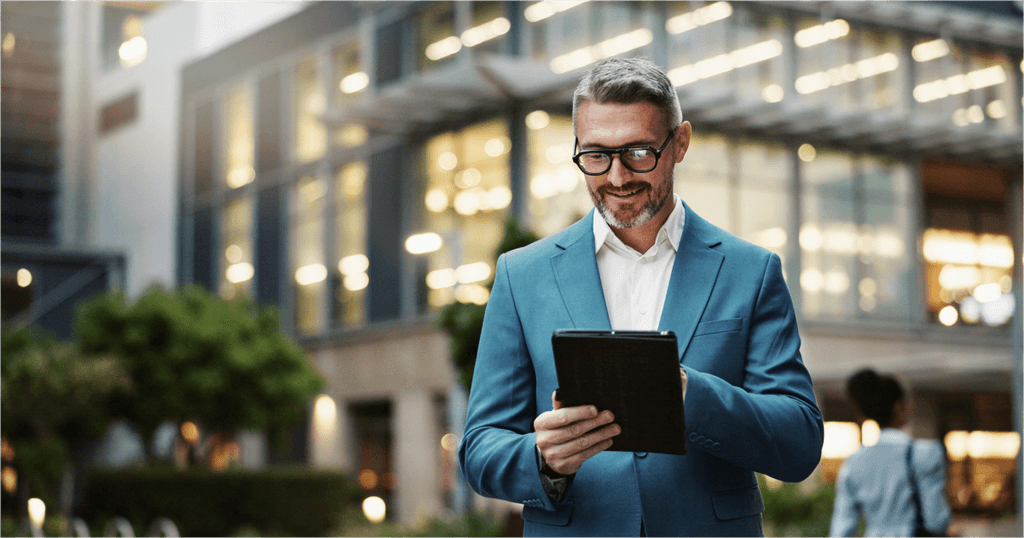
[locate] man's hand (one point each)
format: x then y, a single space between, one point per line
569 436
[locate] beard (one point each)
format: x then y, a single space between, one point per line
658 195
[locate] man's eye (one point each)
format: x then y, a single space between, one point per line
637 154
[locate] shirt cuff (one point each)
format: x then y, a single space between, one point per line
555 484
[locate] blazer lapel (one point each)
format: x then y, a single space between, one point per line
578 281
693 277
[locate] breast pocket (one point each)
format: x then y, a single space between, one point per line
718 347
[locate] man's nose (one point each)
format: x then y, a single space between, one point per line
618 174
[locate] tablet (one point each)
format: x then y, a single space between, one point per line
635 375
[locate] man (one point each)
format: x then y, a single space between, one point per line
643 261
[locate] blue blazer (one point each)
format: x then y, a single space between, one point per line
749 401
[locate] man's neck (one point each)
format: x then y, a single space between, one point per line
641 238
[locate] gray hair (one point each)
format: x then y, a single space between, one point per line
629 81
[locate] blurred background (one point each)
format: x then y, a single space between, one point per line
347 171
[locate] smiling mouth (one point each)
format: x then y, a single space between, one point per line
624 194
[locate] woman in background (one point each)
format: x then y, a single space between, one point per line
876 482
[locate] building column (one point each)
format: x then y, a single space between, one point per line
416 445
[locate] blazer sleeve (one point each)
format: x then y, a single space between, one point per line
497 454
770 423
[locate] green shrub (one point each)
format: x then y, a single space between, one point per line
277 501
790 512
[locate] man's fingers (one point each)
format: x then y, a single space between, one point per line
570 464
559 418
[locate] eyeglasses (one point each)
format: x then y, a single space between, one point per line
640 159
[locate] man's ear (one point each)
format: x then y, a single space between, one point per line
682 141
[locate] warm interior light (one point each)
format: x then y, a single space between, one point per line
423 243
356 263
239 272
354 83
807 153
473 272
310 274
450 442
189 432
133 51
930 50
24 277
538 119
869 433
958 84
836 76
368 479
443 48
821 33
981 444
442 278
542 10
472 293
436 200
723 63
605 49
356 282
773 93
447 161
374 509
841 440
956 445
698 17
325 410
486 32
36 512
948 315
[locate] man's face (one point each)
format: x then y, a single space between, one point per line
628 199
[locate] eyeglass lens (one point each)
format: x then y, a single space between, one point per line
635 159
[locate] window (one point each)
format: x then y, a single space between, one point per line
765 173
239 142
236 233
307 239
350 83
350 243
558 191
758 63
310 102
963 86
438 42
465 202
572 36
702 179
697 37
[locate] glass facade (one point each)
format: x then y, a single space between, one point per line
307 254
237 259
558 191
351 280
310 102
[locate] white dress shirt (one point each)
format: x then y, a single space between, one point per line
874 483
634 283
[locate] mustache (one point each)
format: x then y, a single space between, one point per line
626 187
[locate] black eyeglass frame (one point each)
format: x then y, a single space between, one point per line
619 152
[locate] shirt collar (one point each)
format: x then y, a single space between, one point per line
893 435
672 229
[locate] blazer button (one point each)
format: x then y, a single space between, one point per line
640 454
708 443
693 437
716 447
700 439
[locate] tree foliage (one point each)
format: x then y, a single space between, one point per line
464 321
193 356
52 399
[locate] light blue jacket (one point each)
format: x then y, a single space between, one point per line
749 402
874 483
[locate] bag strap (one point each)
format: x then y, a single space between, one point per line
914 494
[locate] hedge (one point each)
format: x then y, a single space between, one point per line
278 501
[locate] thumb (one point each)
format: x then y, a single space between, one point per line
555 404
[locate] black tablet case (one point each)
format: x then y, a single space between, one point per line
635 375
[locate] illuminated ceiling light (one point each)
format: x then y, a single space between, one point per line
436 200
605 49
996 109
36 512
486 32
442 278
948 315
812 280
133 51
869 433
447 161
239 272
841 439
957 84
356 282
698 17
957 277
538 119
354 83
956 445
810 238
923 52
325 410
1003 445
494 147
821 33
960 118
241 176
467 202
24 277
836 76
723 63
450 442
233 253
423 243
8 44
443 48
807 153
948 246
986 293
310 274
472 293
499 197
354 264
374 509
995 251
975 114
473 272
542 10
773 93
